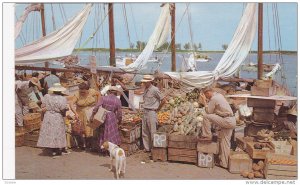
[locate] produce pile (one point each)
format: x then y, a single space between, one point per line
131 117
183 113
257 171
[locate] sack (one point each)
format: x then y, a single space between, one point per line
99 117
77 127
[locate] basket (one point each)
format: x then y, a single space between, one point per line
19 140
32 121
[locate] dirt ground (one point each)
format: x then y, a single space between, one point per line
32 163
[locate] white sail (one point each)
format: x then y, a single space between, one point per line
55 45
19 23
235 54
158 38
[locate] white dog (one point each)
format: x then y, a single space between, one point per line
118 154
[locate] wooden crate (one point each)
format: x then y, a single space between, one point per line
128 134
258 153
182 155
274 170
261 103
282 147
32 121
208 147
242 141
181 141
160 139
130 148
263 83
159 154
258 91
206 160
238 162
263 114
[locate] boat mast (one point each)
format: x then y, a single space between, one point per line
260 43
112 58
173 49
43 25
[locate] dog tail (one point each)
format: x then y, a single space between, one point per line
120 153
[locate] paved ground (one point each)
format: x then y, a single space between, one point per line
32 163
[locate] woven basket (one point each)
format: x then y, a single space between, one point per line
19 138
32 121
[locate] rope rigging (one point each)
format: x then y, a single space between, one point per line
126 24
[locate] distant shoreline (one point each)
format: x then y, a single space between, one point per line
179 51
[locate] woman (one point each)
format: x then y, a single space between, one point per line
53 132
109 130
85 99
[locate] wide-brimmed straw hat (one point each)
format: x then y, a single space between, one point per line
147 78
57 88
293 111
114 88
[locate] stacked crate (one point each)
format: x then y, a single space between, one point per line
130 138
159 149
206 151
263 115
182 148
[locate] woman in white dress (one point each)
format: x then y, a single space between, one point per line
53 131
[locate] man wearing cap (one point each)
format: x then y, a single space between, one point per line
153 101
220 114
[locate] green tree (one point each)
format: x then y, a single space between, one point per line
178 46
187 46
200 46
140 45
225 46
131 45
195 47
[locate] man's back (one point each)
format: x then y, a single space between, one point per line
51 80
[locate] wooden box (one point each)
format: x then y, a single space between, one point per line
130 148
258 153
159 154
263 114
180 141
239 161
261 103
280 167
206 160
242 141
160 140
128 134
182 155
257 91
282 147
205 147
263 83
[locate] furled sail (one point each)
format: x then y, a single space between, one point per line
19 23
233 57
55 45
157 39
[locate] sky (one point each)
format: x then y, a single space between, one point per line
212 24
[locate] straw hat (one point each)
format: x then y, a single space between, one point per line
292 111
147 78
57 88
114 88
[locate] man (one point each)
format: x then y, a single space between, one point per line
220 114
51 79
153 101
22 91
